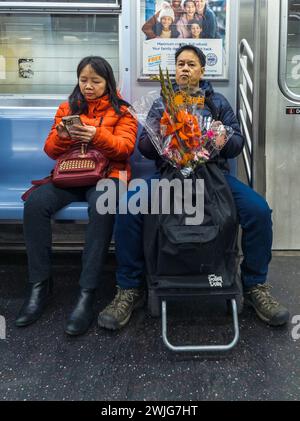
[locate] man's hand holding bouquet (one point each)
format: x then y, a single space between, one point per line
187 138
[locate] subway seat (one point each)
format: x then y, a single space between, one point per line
22 159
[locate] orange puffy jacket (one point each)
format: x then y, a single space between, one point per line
115 136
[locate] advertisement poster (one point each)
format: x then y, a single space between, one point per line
167 25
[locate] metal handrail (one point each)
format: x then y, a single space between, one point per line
246 74
246 51
246 102
246 131
244 44
247 165
245 47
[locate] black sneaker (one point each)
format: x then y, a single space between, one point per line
267 308
118 312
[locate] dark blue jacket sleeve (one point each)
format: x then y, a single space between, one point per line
153 121
209 24
236 143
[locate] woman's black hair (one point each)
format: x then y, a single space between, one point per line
78 103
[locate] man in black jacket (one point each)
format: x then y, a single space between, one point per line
253 211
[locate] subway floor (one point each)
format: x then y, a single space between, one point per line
41 362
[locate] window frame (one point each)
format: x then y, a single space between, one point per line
39 100
286 90
59 7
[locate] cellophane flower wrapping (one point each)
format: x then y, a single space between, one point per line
185 137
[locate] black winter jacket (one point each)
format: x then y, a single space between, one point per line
216 106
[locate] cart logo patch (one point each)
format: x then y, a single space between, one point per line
215 281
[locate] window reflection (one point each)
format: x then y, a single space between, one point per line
67 1
39 53
293 47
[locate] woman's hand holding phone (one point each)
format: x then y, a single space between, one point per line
62 131
83 133
78 131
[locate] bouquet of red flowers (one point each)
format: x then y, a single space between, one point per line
186 138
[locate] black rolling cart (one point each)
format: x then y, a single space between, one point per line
185 260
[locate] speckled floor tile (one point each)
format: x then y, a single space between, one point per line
40 362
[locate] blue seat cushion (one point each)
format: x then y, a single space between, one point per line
11 205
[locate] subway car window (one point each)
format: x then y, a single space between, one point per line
40 52
291 74
116 2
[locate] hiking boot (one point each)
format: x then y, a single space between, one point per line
267 308
118 312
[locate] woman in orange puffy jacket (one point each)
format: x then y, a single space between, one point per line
109 127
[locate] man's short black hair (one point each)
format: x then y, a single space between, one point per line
199 53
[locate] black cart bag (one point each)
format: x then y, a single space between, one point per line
187 260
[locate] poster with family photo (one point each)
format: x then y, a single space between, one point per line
165 25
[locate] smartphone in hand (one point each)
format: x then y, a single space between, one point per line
70 120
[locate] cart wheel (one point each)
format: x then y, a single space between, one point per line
154 304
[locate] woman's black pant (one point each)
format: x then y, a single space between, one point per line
38 210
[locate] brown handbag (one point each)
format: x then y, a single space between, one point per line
82 165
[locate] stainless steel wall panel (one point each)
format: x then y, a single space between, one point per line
282 147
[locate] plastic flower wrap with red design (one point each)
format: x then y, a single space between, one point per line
186 137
